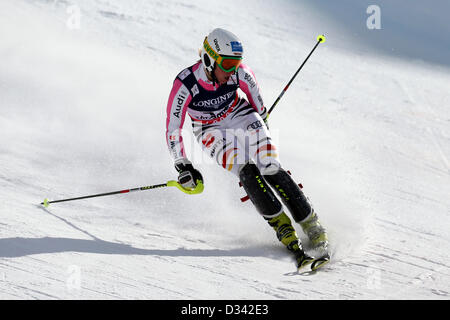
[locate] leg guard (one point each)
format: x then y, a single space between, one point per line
291 194
259 191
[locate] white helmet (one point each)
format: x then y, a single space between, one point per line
223 48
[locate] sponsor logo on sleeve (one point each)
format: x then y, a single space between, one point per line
184 74
260 100
181 98
250 80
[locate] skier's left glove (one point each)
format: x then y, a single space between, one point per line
188 176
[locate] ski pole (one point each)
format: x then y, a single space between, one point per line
320 39
172 183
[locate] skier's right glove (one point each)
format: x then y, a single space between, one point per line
188 176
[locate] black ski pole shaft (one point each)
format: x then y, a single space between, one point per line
47 202
320 39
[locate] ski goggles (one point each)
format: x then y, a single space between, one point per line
226 63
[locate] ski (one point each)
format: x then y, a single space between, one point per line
320 262
303 260
320 256
314 263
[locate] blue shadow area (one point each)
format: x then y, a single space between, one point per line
410 29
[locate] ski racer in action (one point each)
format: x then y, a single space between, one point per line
233 130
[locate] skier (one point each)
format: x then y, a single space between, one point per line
234 131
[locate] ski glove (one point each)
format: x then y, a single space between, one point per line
188 176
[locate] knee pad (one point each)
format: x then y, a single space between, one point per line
291 194
259 191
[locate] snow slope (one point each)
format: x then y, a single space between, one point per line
82 111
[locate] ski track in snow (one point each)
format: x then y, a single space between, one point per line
83 111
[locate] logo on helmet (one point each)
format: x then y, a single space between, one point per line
217 45
210 51
236 47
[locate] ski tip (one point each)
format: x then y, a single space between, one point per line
321 38
45 203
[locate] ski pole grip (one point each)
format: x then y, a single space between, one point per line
197 190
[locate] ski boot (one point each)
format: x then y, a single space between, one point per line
288 236
318 238
315 231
